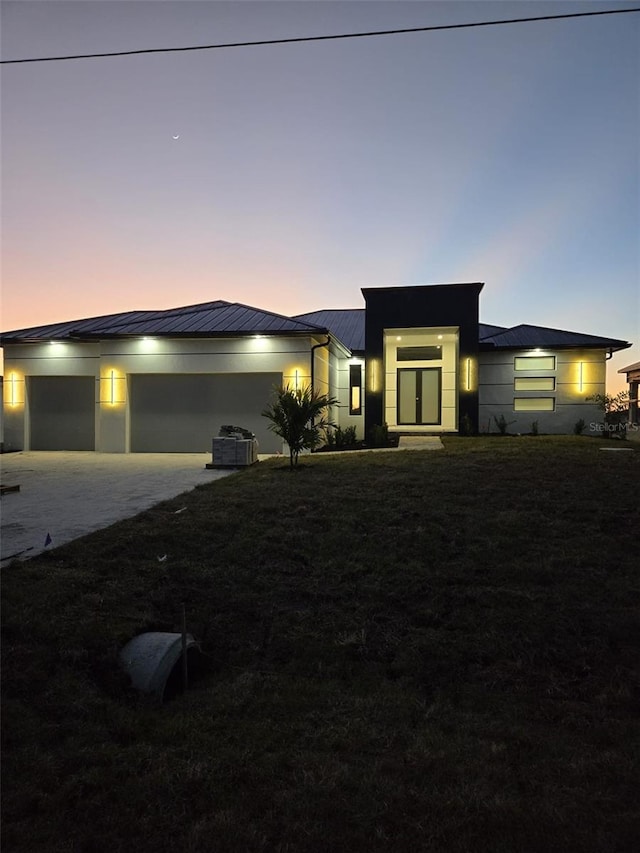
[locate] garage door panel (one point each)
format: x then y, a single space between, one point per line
62 412
183 413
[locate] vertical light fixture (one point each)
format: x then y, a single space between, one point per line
468 374
113 387
580 379
296 378
12 395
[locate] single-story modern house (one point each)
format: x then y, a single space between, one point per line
416 358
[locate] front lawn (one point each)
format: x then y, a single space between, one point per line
406 651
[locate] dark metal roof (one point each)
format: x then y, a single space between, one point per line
346 324
525 336
61 331
220 318
209 318
485 330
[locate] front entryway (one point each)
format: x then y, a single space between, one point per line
419 396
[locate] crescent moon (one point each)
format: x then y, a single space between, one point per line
176 137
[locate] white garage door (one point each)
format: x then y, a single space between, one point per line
183 413
62 412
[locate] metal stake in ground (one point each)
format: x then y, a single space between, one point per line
185 672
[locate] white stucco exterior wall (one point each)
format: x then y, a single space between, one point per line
111 363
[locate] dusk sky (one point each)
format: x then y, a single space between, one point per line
304 172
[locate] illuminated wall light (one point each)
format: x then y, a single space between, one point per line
296 379
14 390
374 371
580 377
468 374
112 388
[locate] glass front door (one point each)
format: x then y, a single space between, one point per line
419 396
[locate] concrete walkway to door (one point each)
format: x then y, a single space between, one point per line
65 495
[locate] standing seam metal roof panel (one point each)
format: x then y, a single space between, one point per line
217 318
539 336
346 324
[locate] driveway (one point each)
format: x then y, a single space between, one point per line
64 495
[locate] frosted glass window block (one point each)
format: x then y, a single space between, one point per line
534 383
534 404
535 362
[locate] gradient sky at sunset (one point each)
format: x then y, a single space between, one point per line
303 172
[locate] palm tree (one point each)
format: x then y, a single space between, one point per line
299 418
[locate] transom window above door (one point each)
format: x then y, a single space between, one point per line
423 353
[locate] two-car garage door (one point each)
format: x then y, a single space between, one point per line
181 413
169 413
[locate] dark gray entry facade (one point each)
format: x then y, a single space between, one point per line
182 413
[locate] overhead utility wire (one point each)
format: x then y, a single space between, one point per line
319 38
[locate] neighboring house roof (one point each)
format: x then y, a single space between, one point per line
630 368
207 319
525 336
346 324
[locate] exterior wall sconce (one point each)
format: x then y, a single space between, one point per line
295 378
112 388
14 393
581 377
374 369
468 379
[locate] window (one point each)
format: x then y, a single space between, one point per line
355 389
535 362
534 404
419 353
534 383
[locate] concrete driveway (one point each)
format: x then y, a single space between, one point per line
65 495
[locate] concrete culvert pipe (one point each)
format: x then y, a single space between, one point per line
153 662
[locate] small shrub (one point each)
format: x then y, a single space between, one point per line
579 427
298 416
615 410
466 425
344 437
379 435
503 424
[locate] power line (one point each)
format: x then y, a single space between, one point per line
318 38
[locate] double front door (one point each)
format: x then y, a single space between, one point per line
419 396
